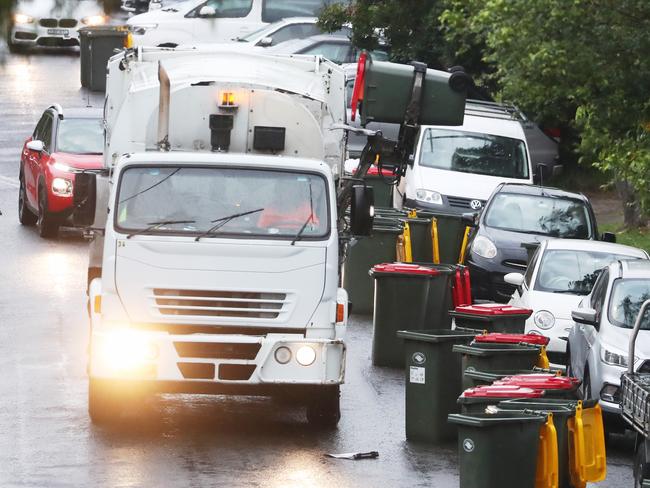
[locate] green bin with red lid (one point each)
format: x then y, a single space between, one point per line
478 399
494 317
381 184
407 297
554 386
473 378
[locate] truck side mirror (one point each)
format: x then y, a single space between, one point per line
608 237
469 219
84 199
362 210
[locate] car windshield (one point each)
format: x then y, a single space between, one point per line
80 136
469 152
572 271
531 214
194 200
625 303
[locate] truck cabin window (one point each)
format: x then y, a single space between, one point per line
221 202
80 136
469 152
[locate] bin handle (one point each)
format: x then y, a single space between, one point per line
408 250
635 333
434 241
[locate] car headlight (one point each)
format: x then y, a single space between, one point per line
141 29
484 247
23 19
62 187
544 319
612 358
94 20
428 196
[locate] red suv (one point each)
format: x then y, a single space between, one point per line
61 145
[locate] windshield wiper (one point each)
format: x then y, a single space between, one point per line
155 225
309 219
223 221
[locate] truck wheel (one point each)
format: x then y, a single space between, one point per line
641 468
48 226
324 410
104 405
25 215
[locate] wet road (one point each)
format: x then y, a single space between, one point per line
46 438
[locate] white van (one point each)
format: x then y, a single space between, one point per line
206 21
455 169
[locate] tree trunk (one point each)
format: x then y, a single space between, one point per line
632 214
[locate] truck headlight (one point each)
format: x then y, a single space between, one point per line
141 29
428 196
62 187
544 319
612 358
484 247
124 350
23 19
306 355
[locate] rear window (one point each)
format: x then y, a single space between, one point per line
274 10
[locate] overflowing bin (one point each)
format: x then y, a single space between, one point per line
494 317
499 450
97 44
433 382
407 295
476 400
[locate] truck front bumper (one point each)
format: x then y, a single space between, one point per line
215 363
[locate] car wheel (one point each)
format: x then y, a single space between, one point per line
586 384
641 468
25 215
48 226
324 409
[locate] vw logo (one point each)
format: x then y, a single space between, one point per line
475 204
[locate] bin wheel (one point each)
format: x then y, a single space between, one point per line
641 468
324 410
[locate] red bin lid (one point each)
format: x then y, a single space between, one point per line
499 338
542 381
502 391
404 268
374 171
493 309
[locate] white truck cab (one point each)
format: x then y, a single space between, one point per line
215 268
456 169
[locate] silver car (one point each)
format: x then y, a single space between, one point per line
598 341
52 23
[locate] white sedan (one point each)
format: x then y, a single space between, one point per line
560 274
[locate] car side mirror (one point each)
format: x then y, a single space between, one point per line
516 279
207 11
84 199
37 146
265 42
608 237
470 219
586 316
362 210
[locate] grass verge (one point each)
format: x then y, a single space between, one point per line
632 237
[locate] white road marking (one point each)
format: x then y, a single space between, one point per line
12 182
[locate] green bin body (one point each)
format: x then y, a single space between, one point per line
405 299
496 357
451 231
421 242
433 382
509 324
383 192
498 450
362 256
562 411
97 45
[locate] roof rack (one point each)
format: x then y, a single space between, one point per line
496 110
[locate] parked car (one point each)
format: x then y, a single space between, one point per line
200 21
285 30
61 145
52 23
335 47
559 275
597 349
517 214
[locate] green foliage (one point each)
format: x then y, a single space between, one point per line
632 237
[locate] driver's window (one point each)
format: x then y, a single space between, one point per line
46 133
223 9
39 129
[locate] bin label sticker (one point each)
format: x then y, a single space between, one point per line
419 358
417 375
468 445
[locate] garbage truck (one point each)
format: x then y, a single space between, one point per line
219 221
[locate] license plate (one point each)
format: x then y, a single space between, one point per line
59 32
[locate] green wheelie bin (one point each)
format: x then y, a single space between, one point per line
362 256
494 317
380 183
97 45
433 382
562 411
451 231
411 295
498 450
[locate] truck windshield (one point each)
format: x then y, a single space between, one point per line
469 152
215 202
627 297
548 216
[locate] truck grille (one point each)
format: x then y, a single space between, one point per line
215 350
225 304
460 202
